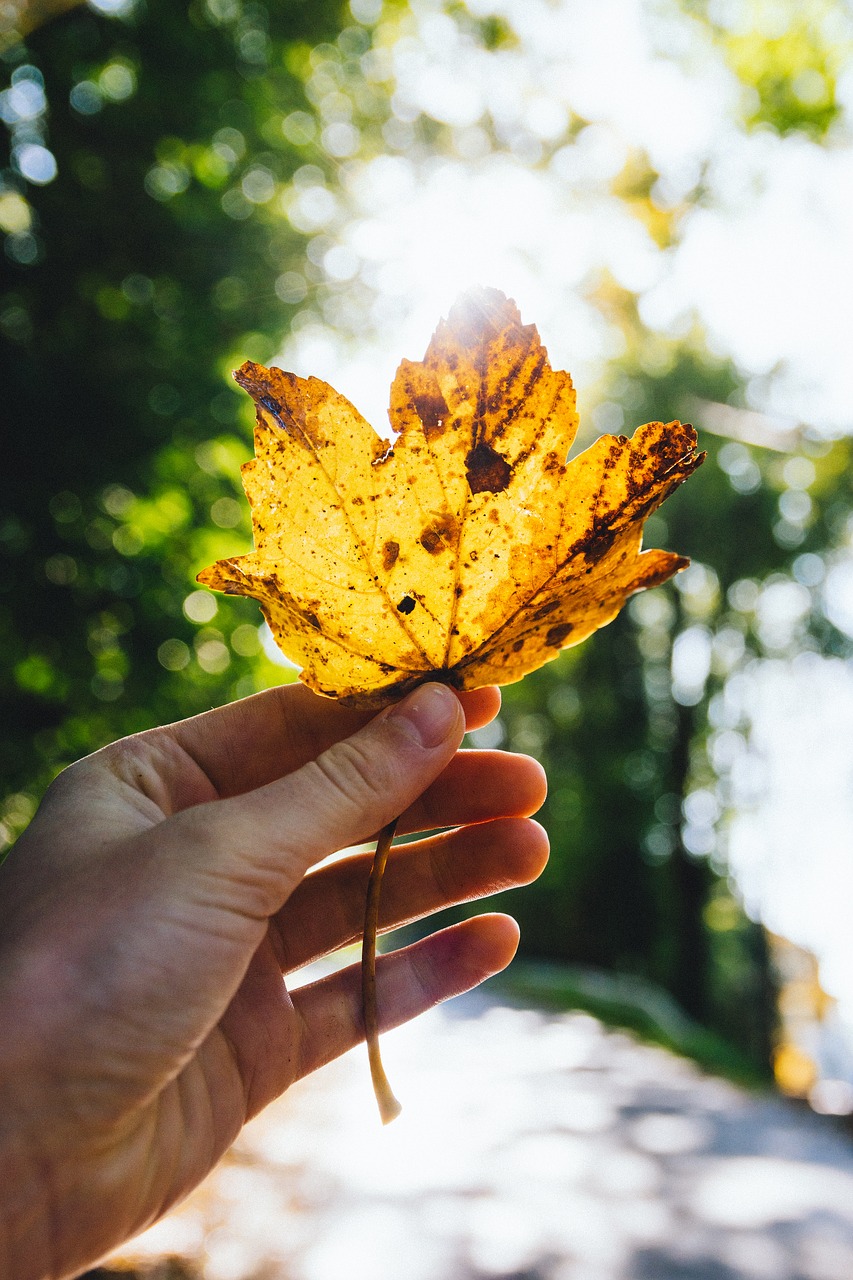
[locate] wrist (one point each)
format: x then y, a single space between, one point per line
28 1244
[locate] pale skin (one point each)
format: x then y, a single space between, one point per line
156 904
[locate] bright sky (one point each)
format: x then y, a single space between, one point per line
766 264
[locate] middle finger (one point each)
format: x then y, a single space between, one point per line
476 786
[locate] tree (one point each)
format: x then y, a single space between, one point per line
154 261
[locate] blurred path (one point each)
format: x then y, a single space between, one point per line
532 1146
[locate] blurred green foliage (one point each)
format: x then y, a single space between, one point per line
787 56
156 262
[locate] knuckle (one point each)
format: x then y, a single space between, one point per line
356 775
136 762
124 757
444 869
423 974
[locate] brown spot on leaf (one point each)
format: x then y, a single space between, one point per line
557 634
432 410
389 554
406 605
439 534
598 545
487 471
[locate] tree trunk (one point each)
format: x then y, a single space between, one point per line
691 879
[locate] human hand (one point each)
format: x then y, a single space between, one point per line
160 894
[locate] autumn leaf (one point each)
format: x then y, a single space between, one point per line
467 550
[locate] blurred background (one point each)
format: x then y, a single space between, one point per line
665 189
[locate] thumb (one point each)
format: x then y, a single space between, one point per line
258 846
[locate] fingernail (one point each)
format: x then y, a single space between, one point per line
428 714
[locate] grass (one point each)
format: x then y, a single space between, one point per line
631 1004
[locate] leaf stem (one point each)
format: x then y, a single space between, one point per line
389 1107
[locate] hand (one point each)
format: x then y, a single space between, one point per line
159 895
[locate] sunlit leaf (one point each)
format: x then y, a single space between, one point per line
468 549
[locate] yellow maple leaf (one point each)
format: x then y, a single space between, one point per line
468 550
